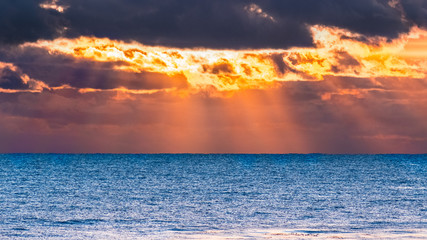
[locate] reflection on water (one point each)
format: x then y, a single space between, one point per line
191 196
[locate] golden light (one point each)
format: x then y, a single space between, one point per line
337 52
53 4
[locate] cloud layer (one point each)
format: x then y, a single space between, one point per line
238 23
206 23
261 76
336 115
23 21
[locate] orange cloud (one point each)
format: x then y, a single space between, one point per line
338 53
53 4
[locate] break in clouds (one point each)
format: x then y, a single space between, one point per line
152 76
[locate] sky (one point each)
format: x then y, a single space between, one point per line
213 76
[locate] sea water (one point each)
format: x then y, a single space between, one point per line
213 196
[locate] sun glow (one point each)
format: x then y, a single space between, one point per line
337 52
53 4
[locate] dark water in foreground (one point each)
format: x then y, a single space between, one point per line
213 196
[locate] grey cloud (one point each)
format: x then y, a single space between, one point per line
226 24
187 23
10 79
207 23
23 21
415 11
57 70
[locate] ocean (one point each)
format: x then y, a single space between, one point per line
212 196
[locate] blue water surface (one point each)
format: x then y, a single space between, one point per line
117 196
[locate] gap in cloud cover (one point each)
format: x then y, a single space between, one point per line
337 53
213 76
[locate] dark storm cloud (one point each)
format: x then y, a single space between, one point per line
24 20
57 70
12 80
187 23
236 23
207 23
416 11
369 17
